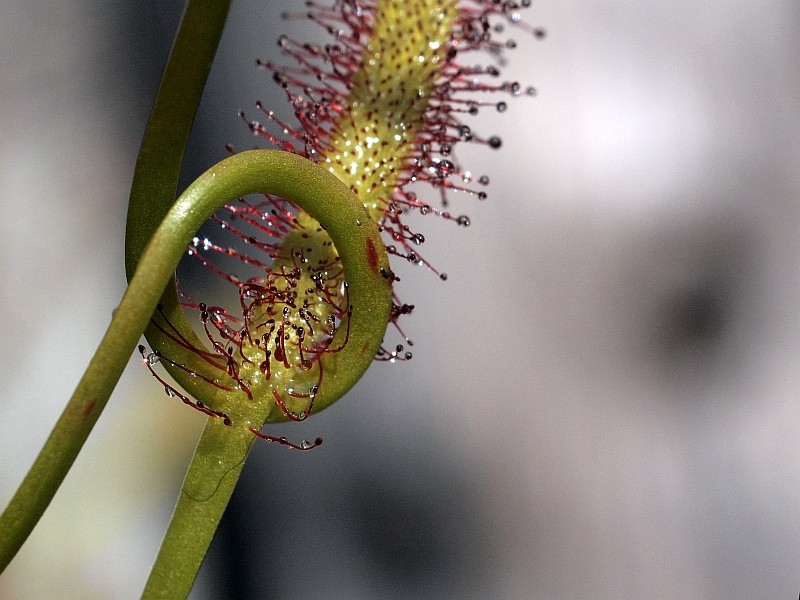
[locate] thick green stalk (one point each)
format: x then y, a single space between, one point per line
222 449
364 259
215 468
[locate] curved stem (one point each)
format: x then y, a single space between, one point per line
81 413
158 165
152 194
308 185
222 450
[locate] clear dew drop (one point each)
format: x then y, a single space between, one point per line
463 220
501 107
305 445
443 276
530 90
483 180
153 358
495 142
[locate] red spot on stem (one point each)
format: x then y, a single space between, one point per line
372 255
87 410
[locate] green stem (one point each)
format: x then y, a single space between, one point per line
152 194
222 450
217 463
308 185
158 166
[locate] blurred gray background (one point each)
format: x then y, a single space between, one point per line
603 400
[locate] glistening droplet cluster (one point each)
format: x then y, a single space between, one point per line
384 106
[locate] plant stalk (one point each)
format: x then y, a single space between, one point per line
154 185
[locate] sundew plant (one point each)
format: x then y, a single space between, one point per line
320 216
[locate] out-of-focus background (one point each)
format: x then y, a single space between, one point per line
604 399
